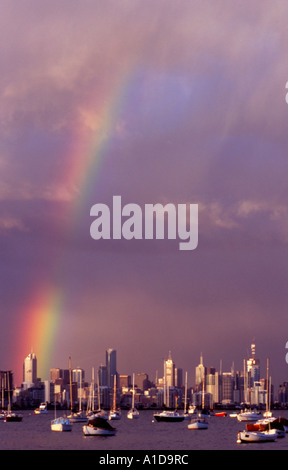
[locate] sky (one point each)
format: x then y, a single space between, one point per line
179 102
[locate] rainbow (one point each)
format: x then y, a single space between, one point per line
41 317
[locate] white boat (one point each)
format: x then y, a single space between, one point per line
114 414
61 424
201 421
41 410
133 413
256 436
78 417
198 423
99 427
248 416
169 416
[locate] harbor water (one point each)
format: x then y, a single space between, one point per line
145 434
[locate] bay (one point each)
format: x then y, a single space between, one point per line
143 434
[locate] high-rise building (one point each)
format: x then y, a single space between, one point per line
111 366
78 375
169 372
200 372
253 367
30 369
102 375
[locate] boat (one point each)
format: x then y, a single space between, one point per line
11 416
61 424
256 436
78 416
98 427
268 424
114 414
133 413
187 414
221 414
100 413
171 416
198 423
248 415
201 421
41 410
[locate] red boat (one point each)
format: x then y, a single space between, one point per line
222 413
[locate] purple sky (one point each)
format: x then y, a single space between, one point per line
189 98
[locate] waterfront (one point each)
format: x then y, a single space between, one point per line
145 434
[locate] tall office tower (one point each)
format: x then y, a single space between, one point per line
253 367
178 377
30 369
111 366
102 376
169 372
200 372
78 375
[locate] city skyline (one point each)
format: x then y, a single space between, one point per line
156 103
168 369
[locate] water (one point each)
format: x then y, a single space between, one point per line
145 434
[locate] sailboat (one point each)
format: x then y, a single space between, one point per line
247 414
268 412
114 413
41 410
100 413
201 421
98 427
133 413
78 416
187 415
257 436
60 424
10 415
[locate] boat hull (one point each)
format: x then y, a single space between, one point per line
115 415
13 417
94 431
61 425
198 424
256 436
133 414
167 418
248 417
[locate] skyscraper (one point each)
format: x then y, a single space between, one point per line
169 371
30 369
111 366
200 372
253 367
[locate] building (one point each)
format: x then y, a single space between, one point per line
30 369
200 373
169 371
111 366
253 367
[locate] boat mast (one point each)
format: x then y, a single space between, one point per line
70 379
268 397
185 399
203 394
133 391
